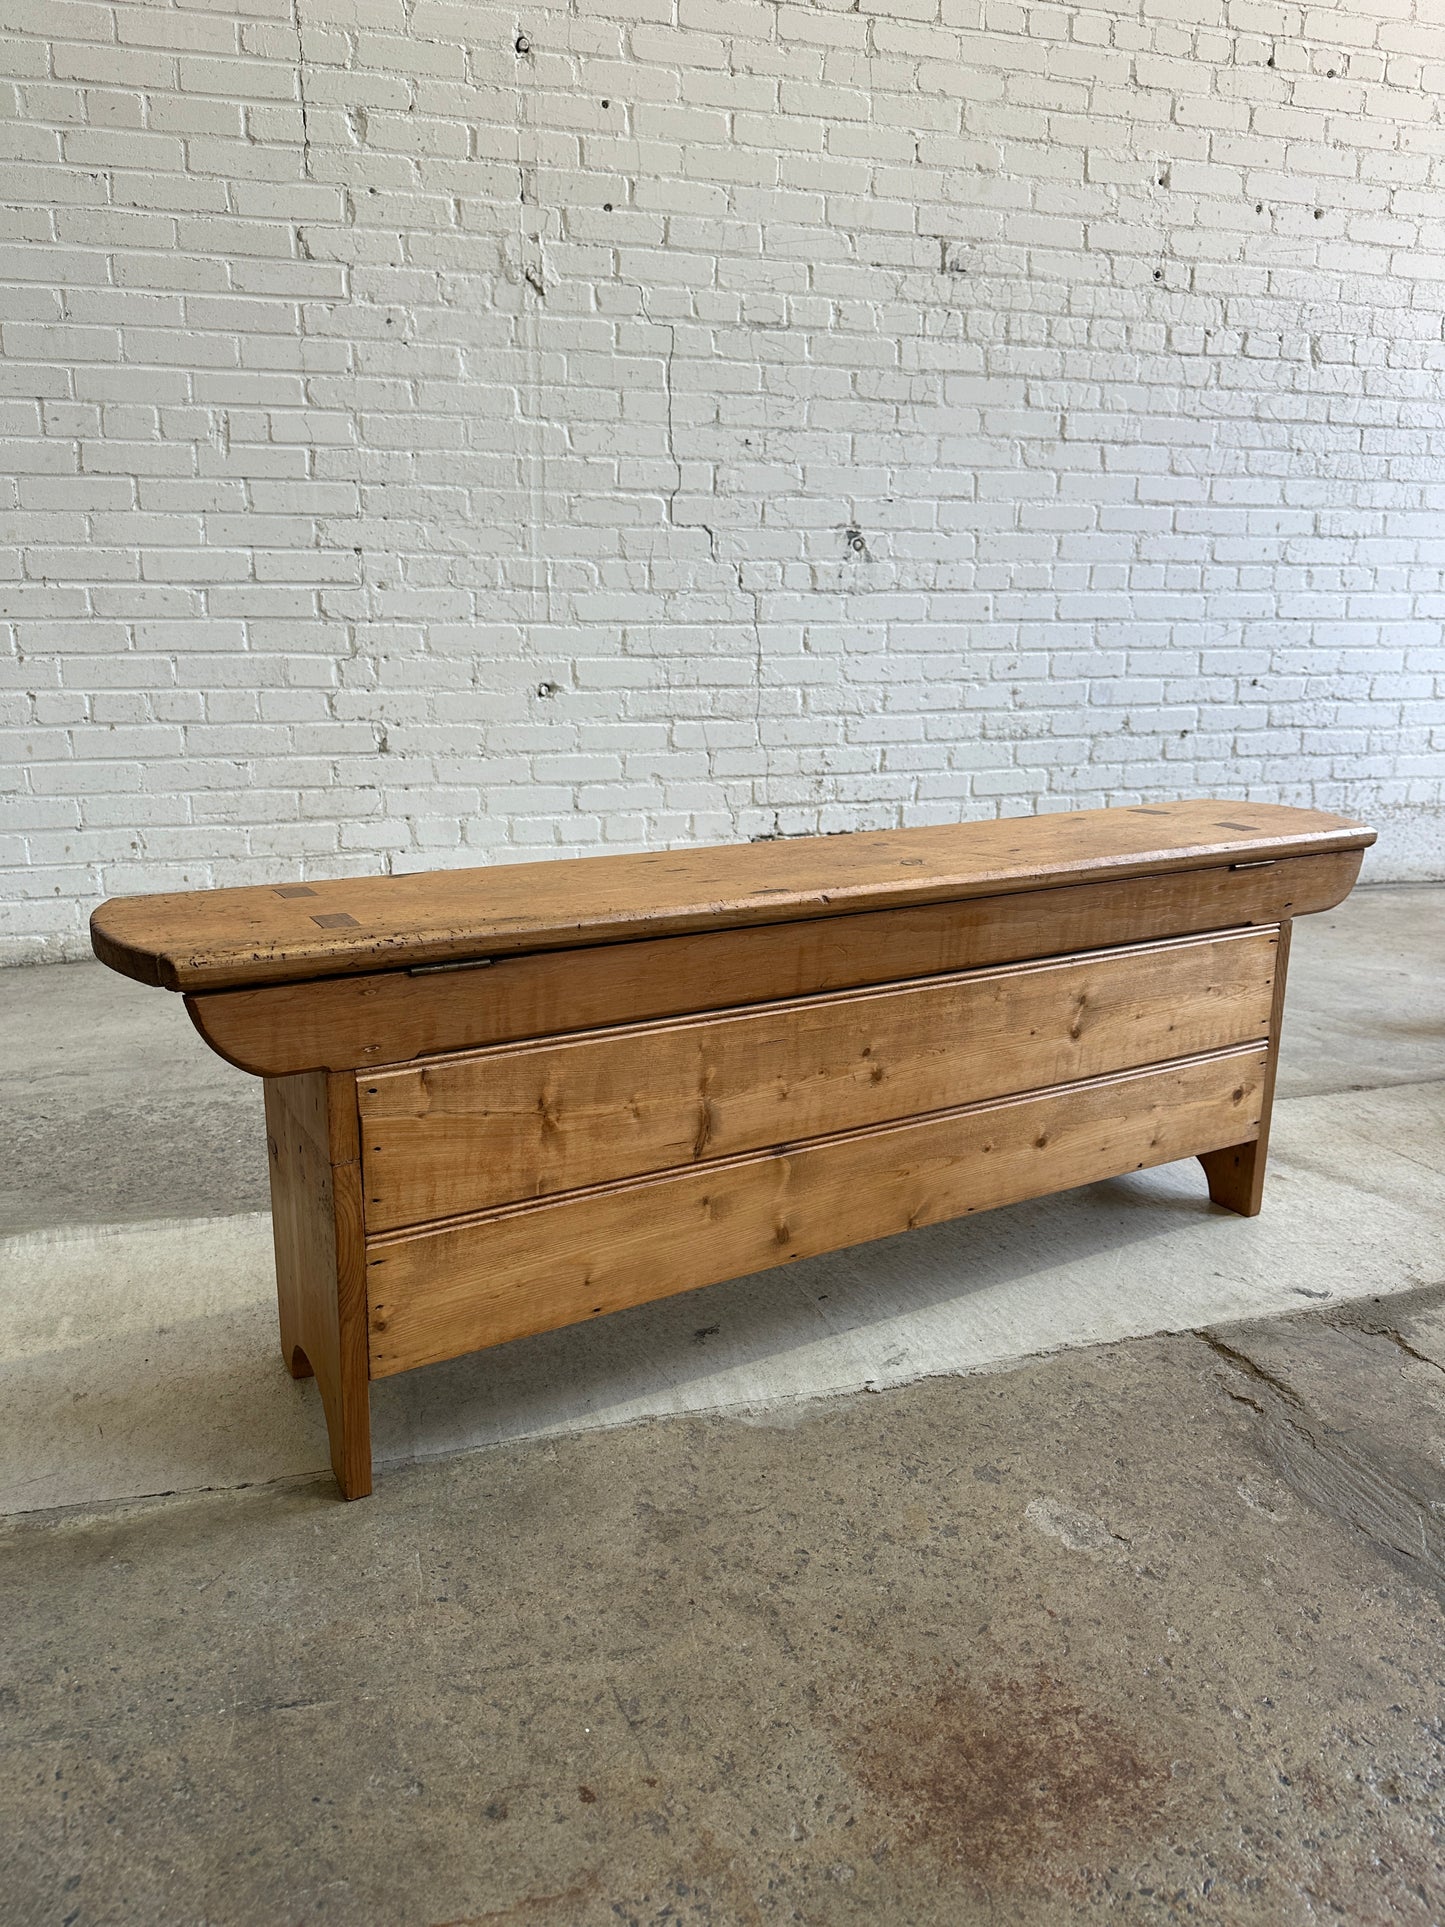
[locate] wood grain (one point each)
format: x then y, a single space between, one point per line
344 1023
1235 1175
316 1220
466 1134
214 939
436 1294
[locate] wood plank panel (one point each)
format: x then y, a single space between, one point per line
467 1134
1236 1173
437 1294
214 939
316 1219
345 1023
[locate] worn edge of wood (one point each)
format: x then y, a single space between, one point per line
179 970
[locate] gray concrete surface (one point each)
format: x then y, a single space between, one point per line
1147 1629
115 1110
1366 1002
1074 1642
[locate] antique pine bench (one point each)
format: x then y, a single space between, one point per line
503 1100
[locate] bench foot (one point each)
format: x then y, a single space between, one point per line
346 1401
347 1404
1235 1176
320 1272
292 1355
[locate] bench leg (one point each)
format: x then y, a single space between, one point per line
1235 1175
311 1142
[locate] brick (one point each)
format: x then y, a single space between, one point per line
524 435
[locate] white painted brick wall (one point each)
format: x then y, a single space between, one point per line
437 433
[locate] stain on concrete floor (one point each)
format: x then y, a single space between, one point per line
1059 1643
1010 1779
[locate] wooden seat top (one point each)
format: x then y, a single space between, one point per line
291 932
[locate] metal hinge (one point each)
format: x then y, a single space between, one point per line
431 970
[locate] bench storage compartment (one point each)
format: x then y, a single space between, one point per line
459 1134
440 1291
503 1101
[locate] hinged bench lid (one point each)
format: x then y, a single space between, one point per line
290 932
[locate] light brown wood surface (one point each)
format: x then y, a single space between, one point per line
362 1022
226 938
466 1134
316 1221
437 1294
1235 1175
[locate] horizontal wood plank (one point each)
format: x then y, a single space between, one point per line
345 1023
213 939
440 1293
466 1134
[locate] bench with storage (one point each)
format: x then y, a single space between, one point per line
503 1100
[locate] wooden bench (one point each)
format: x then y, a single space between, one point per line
503 1100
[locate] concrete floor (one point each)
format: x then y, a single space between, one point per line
1147 1628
